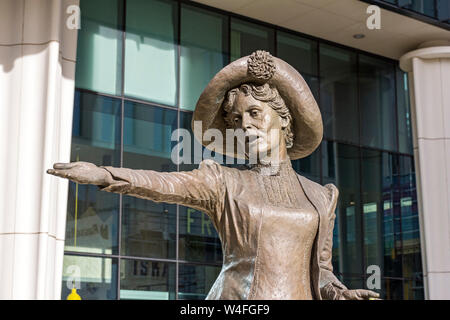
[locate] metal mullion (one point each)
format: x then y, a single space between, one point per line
97 93
396 107
229 39
143 102
368 147
122 92
117 256
400 191
149 103
275 41
436 13
361 212
178 105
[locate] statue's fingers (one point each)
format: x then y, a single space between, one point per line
64 166
58 173
367 294
61 173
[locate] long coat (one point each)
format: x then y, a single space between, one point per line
232 199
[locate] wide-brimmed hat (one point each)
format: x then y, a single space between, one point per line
259 68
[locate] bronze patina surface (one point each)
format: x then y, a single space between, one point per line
276 227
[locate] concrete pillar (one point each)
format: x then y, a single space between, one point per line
37 72
429 74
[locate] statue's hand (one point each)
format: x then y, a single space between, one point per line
359 294
82 172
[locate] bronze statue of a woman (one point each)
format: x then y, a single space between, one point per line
275 226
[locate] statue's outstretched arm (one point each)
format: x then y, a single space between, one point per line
201 189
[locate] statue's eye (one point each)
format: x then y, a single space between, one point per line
254 113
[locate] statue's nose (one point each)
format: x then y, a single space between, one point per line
246 122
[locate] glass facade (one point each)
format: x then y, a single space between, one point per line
435 10
141 65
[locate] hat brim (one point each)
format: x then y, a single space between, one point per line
307 120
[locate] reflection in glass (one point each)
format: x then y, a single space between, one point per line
404 114
151 50
338 94
376 205
309 167
148 228
147 280
92 214
302 55
247 37
198 238
341 167
410 230
377 103
195 281
99 46
197 151
425 7
94 278
204 50
96 129
95 228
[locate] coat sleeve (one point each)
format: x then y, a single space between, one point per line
202 189
329 284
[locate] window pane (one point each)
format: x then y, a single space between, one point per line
404 114
377 102
338 94
94 278
147 137
426 7
199 240
309 166
147 280
394 288
151 50
99 47
248 37
392 264
341 167
376 205
443 10
302 55
196 281
95 138
148 228
91 224
204 51
96 129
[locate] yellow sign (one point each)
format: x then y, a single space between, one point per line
74 295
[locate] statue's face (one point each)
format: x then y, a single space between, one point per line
261 124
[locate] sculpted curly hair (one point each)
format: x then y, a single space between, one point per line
264 93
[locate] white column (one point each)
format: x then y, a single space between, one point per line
429 74
37 71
